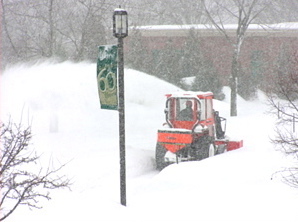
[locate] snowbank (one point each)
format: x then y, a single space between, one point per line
61 102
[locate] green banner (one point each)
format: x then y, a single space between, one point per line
107 76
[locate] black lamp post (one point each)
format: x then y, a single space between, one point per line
120 31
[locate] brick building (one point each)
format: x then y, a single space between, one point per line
265 48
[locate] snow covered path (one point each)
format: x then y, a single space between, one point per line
62 103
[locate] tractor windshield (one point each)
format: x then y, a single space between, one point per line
182 112
185 110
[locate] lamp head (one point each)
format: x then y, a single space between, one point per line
120 23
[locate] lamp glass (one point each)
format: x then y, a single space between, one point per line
120 23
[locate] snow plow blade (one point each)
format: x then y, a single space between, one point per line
230 145
233 145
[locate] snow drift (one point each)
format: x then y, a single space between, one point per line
61 103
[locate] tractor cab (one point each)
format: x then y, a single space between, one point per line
190 111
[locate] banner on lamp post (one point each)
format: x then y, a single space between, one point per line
107 76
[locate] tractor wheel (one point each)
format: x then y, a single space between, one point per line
205 147
160 153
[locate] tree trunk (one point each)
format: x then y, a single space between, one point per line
233 83
51 29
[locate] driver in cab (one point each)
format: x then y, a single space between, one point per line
187 113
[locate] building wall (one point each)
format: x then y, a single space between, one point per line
260 54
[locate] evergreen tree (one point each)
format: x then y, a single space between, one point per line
206 77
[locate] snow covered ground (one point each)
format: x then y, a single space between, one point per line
61 103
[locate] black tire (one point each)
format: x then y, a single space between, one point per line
160 153
202 147
204 150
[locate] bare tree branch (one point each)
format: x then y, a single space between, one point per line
19 185
283 101
247 11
